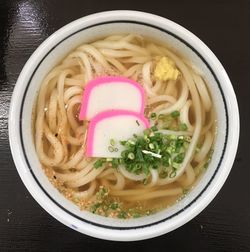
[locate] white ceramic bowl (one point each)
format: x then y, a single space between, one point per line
56 47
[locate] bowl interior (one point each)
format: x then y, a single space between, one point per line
57 53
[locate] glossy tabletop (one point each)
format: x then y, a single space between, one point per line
225 27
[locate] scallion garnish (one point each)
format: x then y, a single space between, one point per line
99 163
172 174
151 146
131 155
153 116
152 150
111 149
131 142
154 128
160 116
175 114
112 142
183 126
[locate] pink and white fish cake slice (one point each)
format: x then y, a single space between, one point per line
111 93
107 129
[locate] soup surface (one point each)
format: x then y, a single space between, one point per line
157 166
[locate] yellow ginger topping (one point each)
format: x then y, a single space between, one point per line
166 70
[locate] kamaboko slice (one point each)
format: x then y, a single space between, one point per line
111 93
108 128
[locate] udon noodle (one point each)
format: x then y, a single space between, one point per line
60 138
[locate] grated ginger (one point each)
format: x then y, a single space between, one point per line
166 70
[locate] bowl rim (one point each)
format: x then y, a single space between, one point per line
100 232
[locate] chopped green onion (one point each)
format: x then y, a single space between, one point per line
153 150
176 165
175 114
131 142
139 155
172 137
206 165
170 150
163 174
99 163
123 142
122 215
111 149
124 153
187 139
112 142
151 146
172 174
151 134
179 158
161 116
153 116
183 126
165 160
145 181
131 156
115 162
106 205
154 128
114 205
208 158
197 149
136 215
95 207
